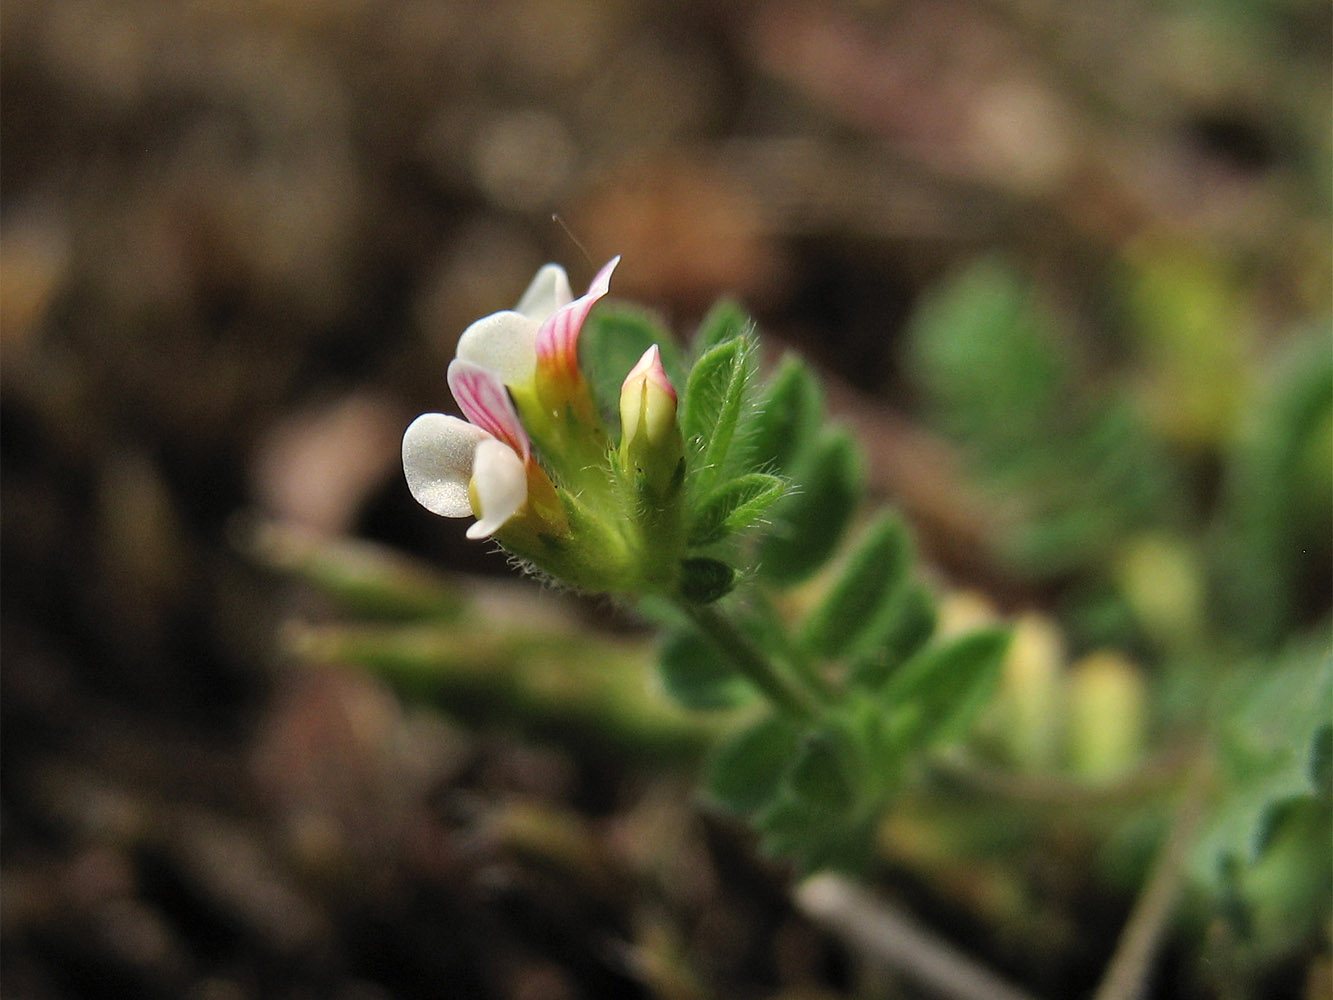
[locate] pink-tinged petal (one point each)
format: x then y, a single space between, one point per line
482 397
650 367
650 438
504 342
558 338
501 485
437 462
601 283
548 292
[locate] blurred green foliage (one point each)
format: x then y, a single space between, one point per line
1070 462
1097 475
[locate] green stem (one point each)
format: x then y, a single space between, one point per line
751 662
818 685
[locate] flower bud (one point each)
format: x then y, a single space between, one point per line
1163 581
650 442
1107 715
1030 701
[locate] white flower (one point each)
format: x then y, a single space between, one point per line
477 467
447 460
483 466
543 330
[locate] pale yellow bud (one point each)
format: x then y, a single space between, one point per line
648 399
650 441
1029 703
1107 715
1163 581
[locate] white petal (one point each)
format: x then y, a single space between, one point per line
437 462
548 292
504 342
501 484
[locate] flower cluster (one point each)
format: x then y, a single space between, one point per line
533 461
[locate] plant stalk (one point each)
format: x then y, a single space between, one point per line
752 663
1150 919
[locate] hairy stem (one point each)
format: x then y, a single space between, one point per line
751 661
800 662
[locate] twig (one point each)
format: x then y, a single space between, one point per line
884 933
1129 966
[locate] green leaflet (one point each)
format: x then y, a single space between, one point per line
998 379
725 321
802 789
1278 492
809 523
875 570
748 770
736 504
1285 896
984 354
901 626
825 773
787 418
703 581
711 412
696 673
939 692
814 838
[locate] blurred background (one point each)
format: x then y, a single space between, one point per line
238 242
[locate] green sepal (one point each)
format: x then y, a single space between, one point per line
809 523
937 694
749 769
697 674
713 406
873 573
787 418
703 581
725 321
736 504
613 339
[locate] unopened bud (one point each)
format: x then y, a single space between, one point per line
650 442
1163 581
1107 715
1028 704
